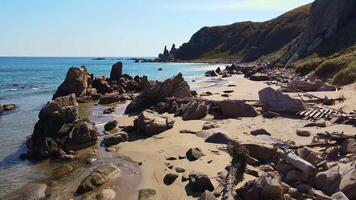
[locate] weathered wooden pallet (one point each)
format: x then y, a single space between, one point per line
315 113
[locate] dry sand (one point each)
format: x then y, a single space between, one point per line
152 152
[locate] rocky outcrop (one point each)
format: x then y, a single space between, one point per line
155 91
76 81
194 110
326 18
150 123
116 71
275 101
60 130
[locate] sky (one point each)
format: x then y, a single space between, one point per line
119 27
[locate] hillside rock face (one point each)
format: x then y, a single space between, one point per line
250 39
326 18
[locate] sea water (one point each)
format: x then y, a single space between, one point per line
29 82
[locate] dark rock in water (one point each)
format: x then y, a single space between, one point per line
76 81
207 196
101 85
109 110
169 178
7 107
98 177
115 139
260 132
147 194
194 154
218 138
116 71
62 171
151 123
236 108
200 182
194 110
59 129
210 73
159 69
275 101
31 191
155 91
110 125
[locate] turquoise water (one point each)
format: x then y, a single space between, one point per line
30 83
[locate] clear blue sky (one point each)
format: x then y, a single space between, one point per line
118 27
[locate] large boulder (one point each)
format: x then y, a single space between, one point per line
116 71
59 129
151 123
156 91
275 101
194 110
76 81
260 151
200 182
328 181
236 108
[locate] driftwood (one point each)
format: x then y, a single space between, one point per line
299 163
236 169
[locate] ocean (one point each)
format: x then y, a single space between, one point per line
29 82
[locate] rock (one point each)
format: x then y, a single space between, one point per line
187 131
76 82
270 114
348 147
260 132
106 194
154 92
159 69
161 107
115 139
296 175
348 181
62 171
169 178
284 168
179 170
260 151
339 196
303 133
101 85
207 196
266 168
275 101
8 107
109 110
116 71
109 99
308 86
236 108
194 110
185 177
225 95
151 123
319 123
173 107
194 154
218 138
200 182
210 125
31 191
147 194
210 73
267 186
328 182
98 177
110 125
310 156
259 77
83 134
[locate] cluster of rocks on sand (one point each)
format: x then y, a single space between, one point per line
279 169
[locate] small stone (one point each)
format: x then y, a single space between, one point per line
210 125
194 154
106 194
62 171
260 132
91 160
303 133
185 177
110 125
169 178
179 170
171 158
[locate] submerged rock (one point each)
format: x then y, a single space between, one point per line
31 191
